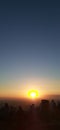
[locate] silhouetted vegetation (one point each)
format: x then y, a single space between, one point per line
46 116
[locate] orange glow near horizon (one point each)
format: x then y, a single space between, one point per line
31 89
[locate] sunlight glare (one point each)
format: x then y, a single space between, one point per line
33 94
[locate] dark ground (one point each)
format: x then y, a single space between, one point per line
44 117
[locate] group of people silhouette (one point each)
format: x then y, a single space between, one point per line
48 112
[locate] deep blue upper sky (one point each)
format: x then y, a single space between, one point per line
29 39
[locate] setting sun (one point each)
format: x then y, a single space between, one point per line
33 94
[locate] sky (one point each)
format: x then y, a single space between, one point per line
29 47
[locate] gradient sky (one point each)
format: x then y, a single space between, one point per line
29 47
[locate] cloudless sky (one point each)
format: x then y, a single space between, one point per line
29 47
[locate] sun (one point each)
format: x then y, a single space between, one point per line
33 94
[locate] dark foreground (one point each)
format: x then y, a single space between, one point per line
44 117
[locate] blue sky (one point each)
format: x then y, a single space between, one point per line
29 45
